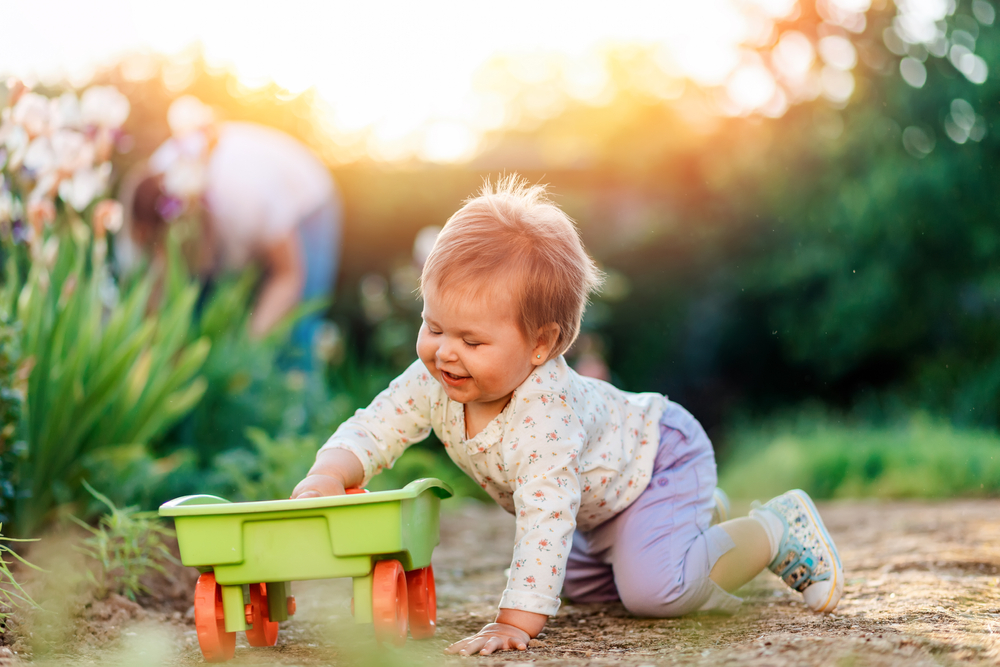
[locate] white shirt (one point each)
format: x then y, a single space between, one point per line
568 451
260 184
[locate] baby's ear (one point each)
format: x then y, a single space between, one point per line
546 339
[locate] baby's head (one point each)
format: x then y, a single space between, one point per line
511 248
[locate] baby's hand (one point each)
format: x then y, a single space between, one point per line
493 637
334 471
315 486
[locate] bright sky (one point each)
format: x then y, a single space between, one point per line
398 67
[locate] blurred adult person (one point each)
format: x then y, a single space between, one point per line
260 197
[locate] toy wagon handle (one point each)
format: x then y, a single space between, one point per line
435 486
200 499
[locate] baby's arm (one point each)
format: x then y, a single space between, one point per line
542 459
373 437
335 471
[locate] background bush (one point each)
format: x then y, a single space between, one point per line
834 458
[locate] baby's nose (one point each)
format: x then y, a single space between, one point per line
447 351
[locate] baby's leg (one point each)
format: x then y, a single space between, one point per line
662 558
589 577
661 548
747 559
786 535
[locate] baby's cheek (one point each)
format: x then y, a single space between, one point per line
425 350
428 364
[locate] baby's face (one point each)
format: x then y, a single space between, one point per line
475 349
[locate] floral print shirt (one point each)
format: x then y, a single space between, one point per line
567 452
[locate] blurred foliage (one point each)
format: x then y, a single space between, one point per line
814 256
127 545
838 458
255 432
246 387
247 382
11 400
253 394
269 470
101 370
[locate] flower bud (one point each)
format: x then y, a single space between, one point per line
104 106
6 204
41 212
32 113
50 251
187 114
108 217
15 88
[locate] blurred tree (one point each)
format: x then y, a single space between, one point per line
831 242
840 251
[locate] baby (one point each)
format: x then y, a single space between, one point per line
613 492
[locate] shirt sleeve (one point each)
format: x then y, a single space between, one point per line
542 454
397 418
278 218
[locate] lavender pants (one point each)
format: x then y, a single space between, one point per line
655 556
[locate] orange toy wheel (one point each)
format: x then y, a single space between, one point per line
216 644
264 631
422 602
389 602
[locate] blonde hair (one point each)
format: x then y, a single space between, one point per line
512 242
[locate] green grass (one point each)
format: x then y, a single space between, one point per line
835 459
126 544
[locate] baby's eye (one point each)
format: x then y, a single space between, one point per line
472 344
436 333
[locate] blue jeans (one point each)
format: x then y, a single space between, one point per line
320 236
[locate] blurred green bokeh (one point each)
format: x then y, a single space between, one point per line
830 458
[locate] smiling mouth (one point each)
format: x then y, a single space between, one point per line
452 379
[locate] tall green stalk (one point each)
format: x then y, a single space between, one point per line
107 368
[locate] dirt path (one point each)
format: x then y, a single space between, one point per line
922 589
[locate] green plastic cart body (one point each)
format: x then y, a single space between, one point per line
280 541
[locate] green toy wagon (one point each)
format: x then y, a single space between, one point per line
248 553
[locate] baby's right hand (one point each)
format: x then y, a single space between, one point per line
334 471
315 486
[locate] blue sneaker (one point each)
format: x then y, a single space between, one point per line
807 559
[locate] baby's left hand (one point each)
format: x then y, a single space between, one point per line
493 637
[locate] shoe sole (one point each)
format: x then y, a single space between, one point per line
837 589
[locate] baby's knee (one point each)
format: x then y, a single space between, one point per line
698 595
648 602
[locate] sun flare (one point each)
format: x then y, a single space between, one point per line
403 72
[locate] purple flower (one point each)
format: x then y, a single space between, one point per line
169 207
19 231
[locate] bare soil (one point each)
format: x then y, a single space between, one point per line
922 589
